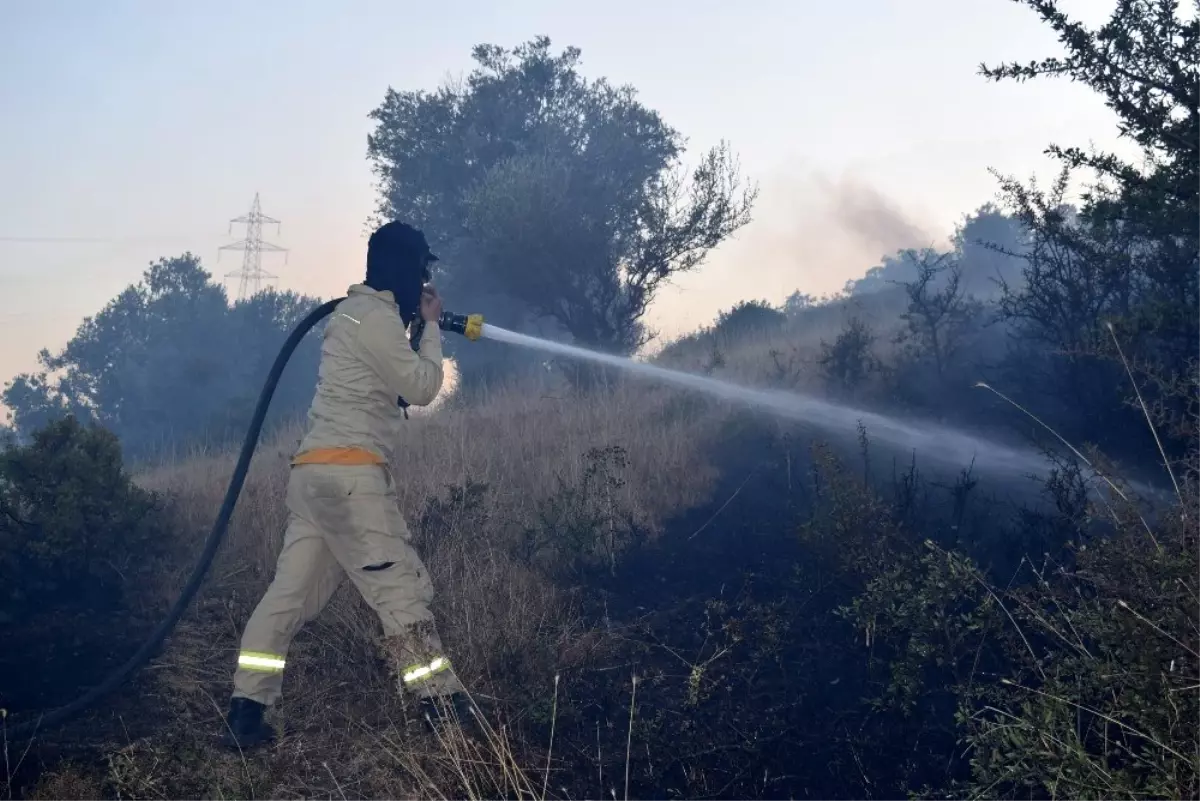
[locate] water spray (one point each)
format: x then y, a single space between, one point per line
941 442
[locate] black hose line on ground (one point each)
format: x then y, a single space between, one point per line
155 640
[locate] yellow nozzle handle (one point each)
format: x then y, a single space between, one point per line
474 327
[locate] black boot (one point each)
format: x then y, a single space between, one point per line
245 727
455 708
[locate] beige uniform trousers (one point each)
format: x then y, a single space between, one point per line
344 521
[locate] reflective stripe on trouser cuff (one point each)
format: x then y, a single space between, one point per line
414 674
254 660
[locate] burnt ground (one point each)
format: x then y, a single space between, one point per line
731 587
55 653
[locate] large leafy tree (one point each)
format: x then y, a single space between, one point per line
169 362
1127 257
553 196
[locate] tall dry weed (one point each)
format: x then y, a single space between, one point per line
509 626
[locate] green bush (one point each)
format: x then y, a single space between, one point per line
749 317
1076 677
71 519
849 361
582 525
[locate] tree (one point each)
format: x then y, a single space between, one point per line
749 317
797 303
1074 278
1128 257
1143 62
939 313
880 277
939 344
1140 62
551 195
168 362
849 360
989 246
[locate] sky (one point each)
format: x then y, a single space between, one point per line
145 126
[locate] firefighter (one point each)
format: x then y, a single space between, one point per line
343 517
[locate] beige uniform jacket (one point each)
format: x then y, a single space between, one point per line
367 363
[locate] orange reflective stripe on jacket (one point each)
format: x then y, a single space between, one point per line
342 456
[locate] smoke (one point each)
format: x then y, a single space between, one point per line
821 232
869 218
810 232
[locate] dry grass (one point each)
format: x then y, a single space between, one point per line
511 628
66 781
516 444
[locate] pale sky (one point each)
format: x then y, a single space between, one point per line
148 124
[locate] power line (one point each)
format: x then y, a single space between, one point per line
91 240
38 239
253 247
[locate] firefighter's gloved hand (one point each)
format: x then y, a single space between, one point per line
431 304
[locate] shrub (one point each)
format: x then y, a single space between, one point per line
70 516
1075 677
748 317
582 525
849 361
